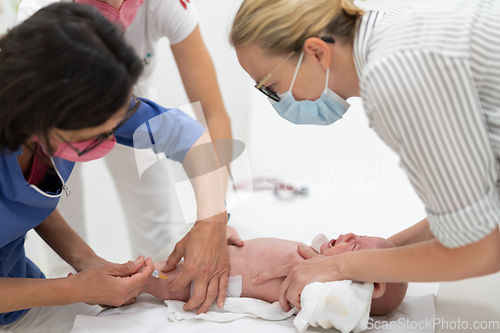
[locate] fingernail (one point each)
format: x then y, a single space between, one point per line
221 305
300 245
138 261
254 279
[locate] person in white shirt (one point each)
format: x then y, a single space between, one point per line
148 209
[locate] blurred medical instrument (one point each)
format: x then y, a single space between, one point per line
282 190
158 275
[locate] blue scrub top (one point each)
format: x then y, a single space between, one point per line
22 207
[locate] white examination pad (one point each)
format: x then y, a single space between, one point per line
150 315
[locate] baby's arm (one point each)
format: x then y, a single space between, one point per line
158 287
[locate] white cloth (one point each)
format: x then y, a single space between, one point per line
234 308
344 305
50 319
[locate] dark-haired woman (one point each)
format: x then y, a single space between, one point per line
65 95
148 209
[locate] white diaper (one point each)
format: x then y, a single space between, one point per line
234 286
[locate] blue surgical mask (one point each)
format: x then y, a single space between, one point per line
326 110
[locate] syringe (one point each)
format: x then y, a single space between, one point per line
158 275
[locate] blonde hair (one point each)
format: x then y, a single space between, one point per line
282 26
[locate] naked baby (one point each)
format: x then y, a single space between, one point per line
262 254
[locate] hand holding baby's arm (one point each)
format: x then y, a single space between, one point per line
305 252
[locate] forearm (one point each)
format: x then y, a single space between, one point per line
427 261
200 81
417 233
19 294
203 171
65 241
219 128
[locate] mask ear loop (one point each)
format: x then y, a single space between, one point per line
327 77
296 71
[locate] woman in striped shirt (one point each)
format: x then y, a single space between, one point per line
429 80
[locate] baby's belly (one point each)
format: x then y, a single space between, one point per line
257 256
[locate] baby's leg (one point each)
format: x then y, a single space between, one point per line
158 286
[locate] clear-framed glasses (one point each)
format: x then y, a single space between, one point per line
271 93
265 90
105 136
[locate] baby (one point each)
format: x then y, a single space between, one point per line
261 254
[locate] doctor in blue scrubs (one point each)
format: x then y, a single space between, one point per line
66 77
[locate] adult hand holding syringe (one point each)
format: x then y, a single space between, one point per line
113 284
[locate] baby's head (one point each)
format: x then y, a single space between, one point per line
386 296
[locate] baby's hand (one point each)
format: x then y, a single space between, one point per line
233 240
306 252
233 237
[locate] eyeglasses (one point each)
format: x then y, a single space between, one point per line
265 90
271 93
103 137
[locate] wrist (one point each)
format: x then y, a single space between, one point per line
87 260
339 268
219 220
71 290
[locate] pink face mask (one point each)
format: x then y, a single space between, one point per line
122 17
68 153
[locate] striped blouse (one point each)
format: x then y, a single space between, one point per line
430 82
